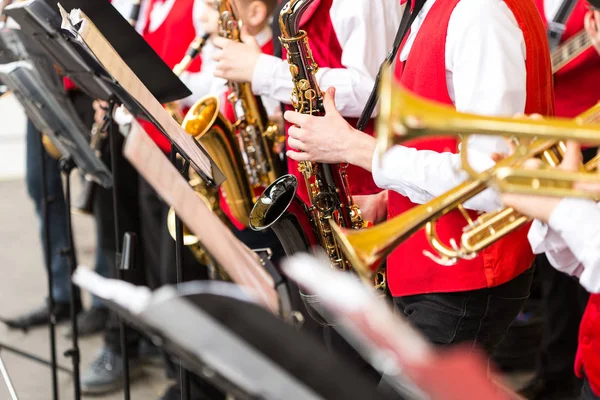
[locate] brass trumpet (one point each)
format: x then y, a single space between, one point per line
403 116
367 248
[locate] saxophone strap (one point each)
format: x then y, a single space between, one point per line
408 17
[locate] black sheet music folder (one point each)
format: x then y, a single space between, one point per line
241 348
141 58
42 22
27 70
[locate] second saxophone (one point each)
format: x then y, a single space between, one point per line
328 190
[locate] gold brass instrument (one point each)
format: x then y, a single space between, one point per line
367 248
210 196
257 135
404 115
245 150
329 196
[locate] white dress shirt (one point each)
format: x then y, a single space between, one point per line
205 83
571 240
485 73
365 30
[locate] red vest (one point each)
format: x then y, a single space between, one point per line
229 113
409 271
171 41
327 53
577 85
588 353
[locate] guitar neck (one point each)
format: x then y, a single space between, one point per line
569 50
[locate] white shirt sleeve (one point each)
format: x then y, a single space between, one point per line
486 74
578 223
204 82
544 239
365 30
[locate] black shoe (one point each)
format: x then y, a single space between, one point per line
541 389
39 316
105 373
172 393
90 322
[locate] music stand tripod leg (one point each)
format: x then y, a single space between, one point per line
184 375
113 131
66 166
48 262
6 377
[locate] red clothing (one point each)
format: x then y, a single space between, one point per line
171 41
409 271
577 85
229 113
327 53
588 353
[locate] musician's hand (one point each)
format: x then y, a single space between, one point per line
100 109
541 207
373 207
236 61
209 17
328 139
592 27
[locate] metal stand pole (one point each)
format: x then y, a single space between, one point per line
6 377
48 259
184 375
114 151
66 166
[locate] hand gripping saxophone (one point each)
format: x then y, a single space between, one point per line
329 197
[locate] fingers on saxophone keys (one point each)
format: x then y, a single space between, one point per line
298 156
296 118
296 144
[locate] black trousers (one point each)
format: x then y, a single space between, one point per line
563 304
586 391
129 220
479 318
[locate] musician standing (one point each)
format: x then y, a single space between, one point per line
94 319
486 57
563 300
169 28
348 39
567 230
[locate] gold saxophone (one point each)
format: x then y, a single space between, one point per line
195 123
244 151
330 200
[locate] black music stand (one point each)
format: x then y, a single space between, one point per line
221 334
61 40
33 80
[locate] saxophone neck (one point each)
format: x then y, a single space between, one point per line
229 25
290 17
307 97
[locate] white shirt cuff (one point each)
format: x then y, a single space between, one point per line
571 219
263 76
